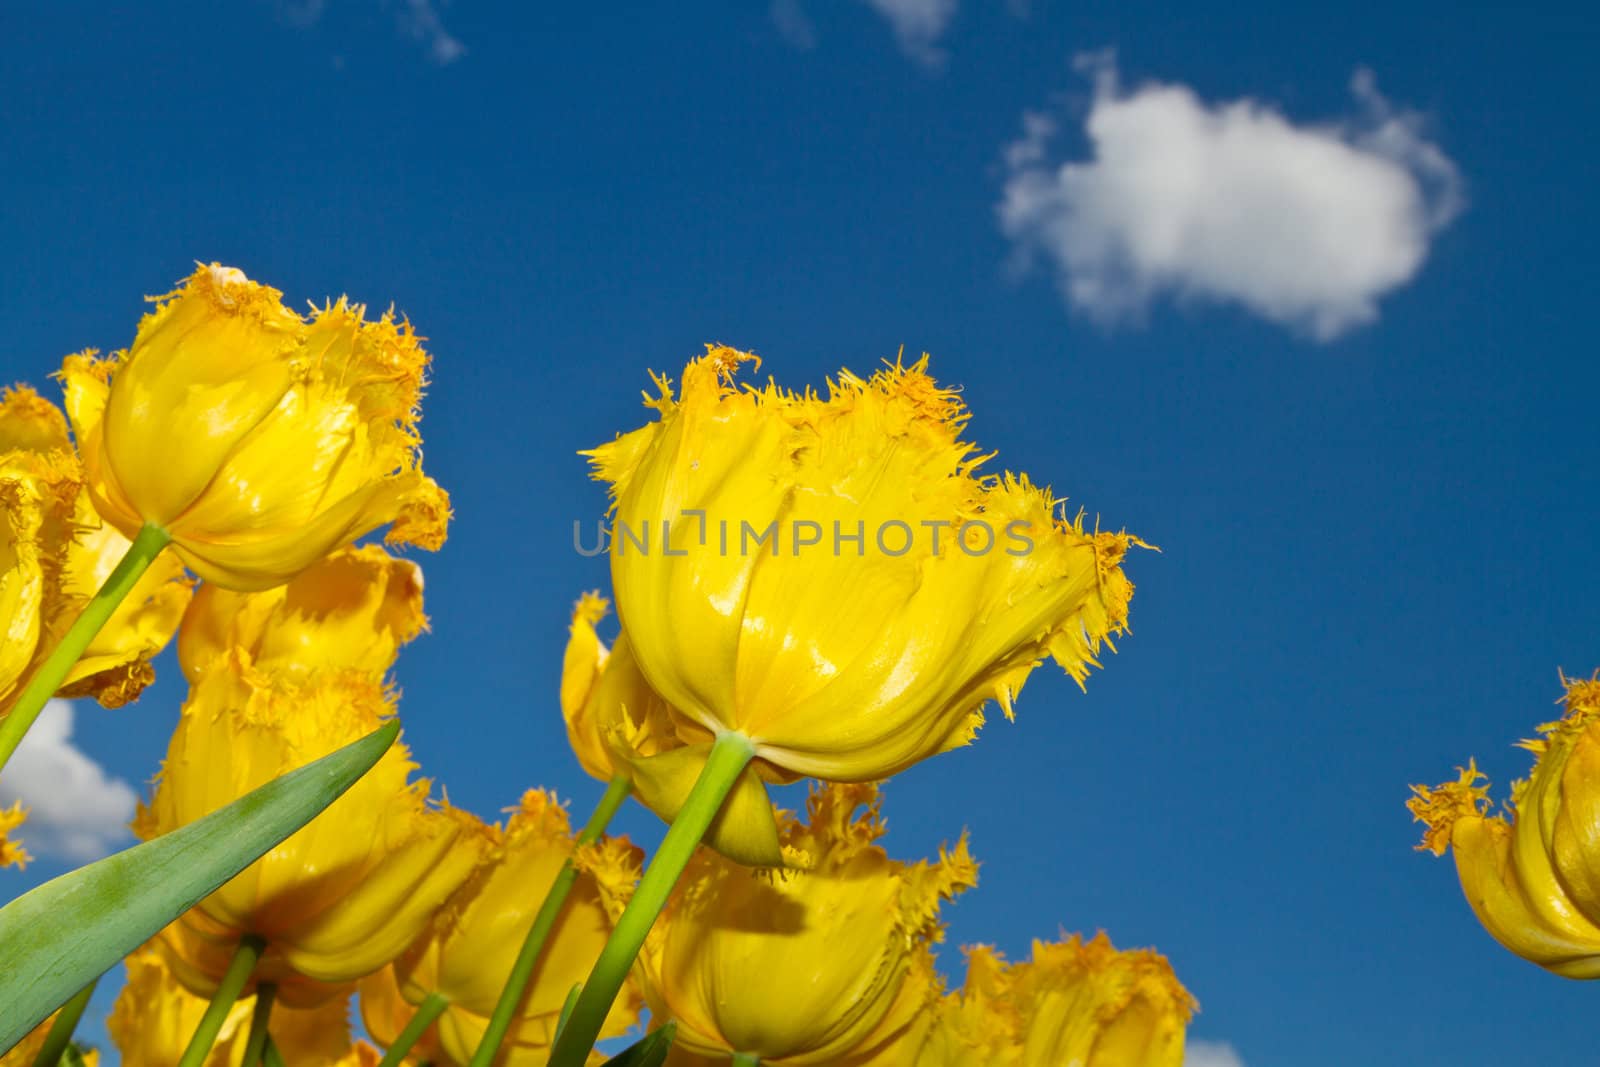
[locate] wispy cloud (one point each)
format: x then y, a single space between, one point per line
75 810
1211 1054
918 25
417 19
1305 225
793 24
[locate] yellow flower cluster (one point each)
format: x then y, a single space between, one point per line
1532 873
893 591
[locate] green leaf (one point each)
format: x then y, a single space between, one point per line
649 1051
58 938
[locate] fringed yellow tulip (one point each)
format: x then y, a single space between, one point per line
800 967
385 1013
258 441
832 579
1084 1002
977 1025
347 893
467 955
1533 880
352 610
39 489
612 714
154 1017
116 665
12 854
24 1052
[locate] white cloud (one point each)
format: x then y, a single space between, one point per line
75 810
420 21
1305 225
1211 1054
417 19
793 24
918 25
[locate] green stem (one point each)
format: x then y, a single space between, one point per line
53 671
505 1008
270 1056
746 1059
238 973
430 1009
255 1044
60 1035
730 753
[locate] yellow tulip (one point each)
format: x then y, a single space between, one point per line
12 854
1531 879
351 610
258 441
612 714
807 967
24 1052
39 488
344 895
1084 1002
385 1013
467 955
977 1025
116 665
154 1017
832 580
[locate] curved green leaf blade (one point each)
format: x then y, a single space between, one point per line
57 938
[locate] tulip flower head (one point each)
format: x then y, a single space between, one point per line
1530 872
344 895
832 579
60 554
154 1017
12 854
977 1024
613 716
801 967
1084 1002
468 952
258 441
25 1052
350 611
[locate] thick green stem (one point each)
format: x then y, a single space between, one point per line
53 671
431 1008
730 753
270 1056
60 1035
746 1059
505 1009
256 1043
233 982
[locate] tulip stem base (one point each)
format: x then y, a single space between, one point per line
431 1008
233 982
730 754
505 1008
53 671
60 1035
255 1045
746 1059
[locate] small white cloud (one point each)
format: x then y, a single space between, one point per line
420 21
75 810
1211 1054
1306 225
918 25
793 24
417 19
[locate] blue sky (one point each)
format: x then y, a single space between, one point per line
1354 404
